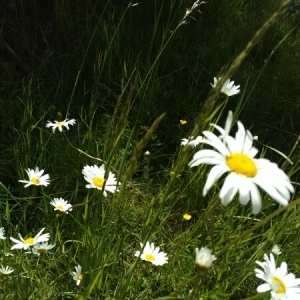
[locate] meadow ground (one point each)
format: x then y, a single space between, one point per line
127 126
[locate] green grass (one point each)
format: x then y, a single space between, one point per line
114 68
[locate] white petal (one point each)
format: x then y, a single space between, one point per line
255 199
244 190
206 157
215 173
263 288
228 189
215 142
228 124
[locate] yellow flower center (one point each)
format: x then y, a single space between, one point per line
241 164
282 288
150 257
34 180
41 250
29 241
80 277
98 181
59 207
60 123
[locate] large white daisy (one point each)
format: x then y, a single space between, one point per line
281 284
25 244
36 178
94 175
236 156
228 88
152 254
60 124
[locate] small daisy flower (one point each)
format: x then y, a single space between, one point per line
41 248
281 284
60 124
5 270
228 89
77 275
36 178
7 254
61 205
204 258
25 244
2 233
152 254
276 250
236 156
187 217
191 141
182 122
94 175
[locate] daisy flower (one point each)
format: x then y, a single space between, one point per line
25 244
276 250
191 141
204 258
60 124
94 175
61 205
236 156
41 248
152 254
77 276
228 88
5 270
2 233
6 253
281 284
36 178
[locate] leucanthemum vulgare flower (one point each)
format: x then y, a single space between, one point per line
281 284
6 253
191 141
36 178
2 233
152 254
60 124
276 250
25 244
204 258
228 88
236 156
77 275
94 175
40 248
61 205
5 270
